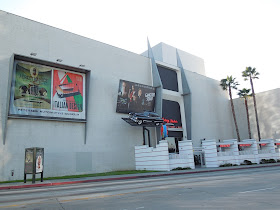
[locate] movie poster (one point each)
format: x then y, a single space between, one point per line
28 168
67 91
135 97
39 160
44 91
32 86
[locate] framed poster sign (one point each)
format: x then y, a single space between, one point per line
41 91
135 97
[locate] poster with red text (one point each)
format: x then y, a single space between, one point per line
68 93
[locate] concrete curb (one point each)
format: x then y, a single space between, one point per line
133 177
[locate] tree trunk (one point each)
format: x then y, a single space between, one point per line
255 105
248 119
233 114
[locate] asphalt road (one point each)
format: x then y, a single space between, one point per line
238 189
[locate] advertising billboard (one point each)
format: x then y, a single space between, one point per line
135 97
45 91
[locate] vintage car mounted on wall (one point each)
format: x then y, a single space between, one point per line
146 117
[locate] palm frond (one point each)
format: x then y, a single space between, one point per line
250 72
244 93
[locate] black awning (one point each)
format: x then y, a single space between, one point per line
175 134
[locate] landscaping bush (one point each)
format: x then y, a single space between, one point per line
272 161
180 168
247 162
226 165
263 161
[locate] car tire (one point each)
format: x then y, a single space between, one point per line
139 122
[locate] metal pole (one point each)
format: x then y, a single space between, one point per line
144 138
149 138
34 165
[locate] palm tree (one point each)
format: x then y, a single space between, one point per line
228 84
245 93
251 73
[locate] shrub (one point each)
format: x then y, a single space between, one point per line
263 161
247 162
272 161
180 168
226 165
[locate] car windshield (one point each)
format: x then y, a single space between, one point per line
152 114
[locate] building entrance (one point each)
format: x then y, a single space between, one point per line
173 146
173 138
199 157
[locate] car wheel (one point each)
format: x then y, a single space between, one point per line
140 122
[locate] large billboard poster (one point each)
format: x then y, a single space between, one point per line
44 91
32 87
135 97
67 91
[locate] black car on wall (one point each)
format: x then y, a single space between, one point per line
146 117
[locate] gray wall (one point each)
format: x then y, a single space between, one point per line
167 54
211 112
268 114
110 141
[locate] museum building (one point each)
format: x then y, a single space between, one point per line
70 95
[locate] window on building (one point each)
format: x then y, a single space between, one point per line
168 78
171 113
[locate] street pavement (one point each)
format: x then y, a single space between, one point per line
245 187
57 182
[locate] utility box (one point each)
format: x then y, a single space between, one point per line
34 162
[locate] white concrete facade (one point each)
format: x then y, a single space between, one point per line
110 142
158 158
167 54
268 113
211 112
250 150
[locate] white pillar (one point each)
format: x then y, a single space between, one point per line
270 147
234 149
253 148
186 148
210 151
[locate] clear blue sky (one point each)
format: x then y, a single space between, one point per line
228 34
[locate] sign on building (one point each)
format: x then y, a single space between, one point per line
41 91
135 97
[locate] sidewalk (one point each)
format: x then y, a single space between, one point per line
56 182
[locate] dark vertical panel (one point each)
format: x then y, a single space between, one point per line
171 112
168 78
